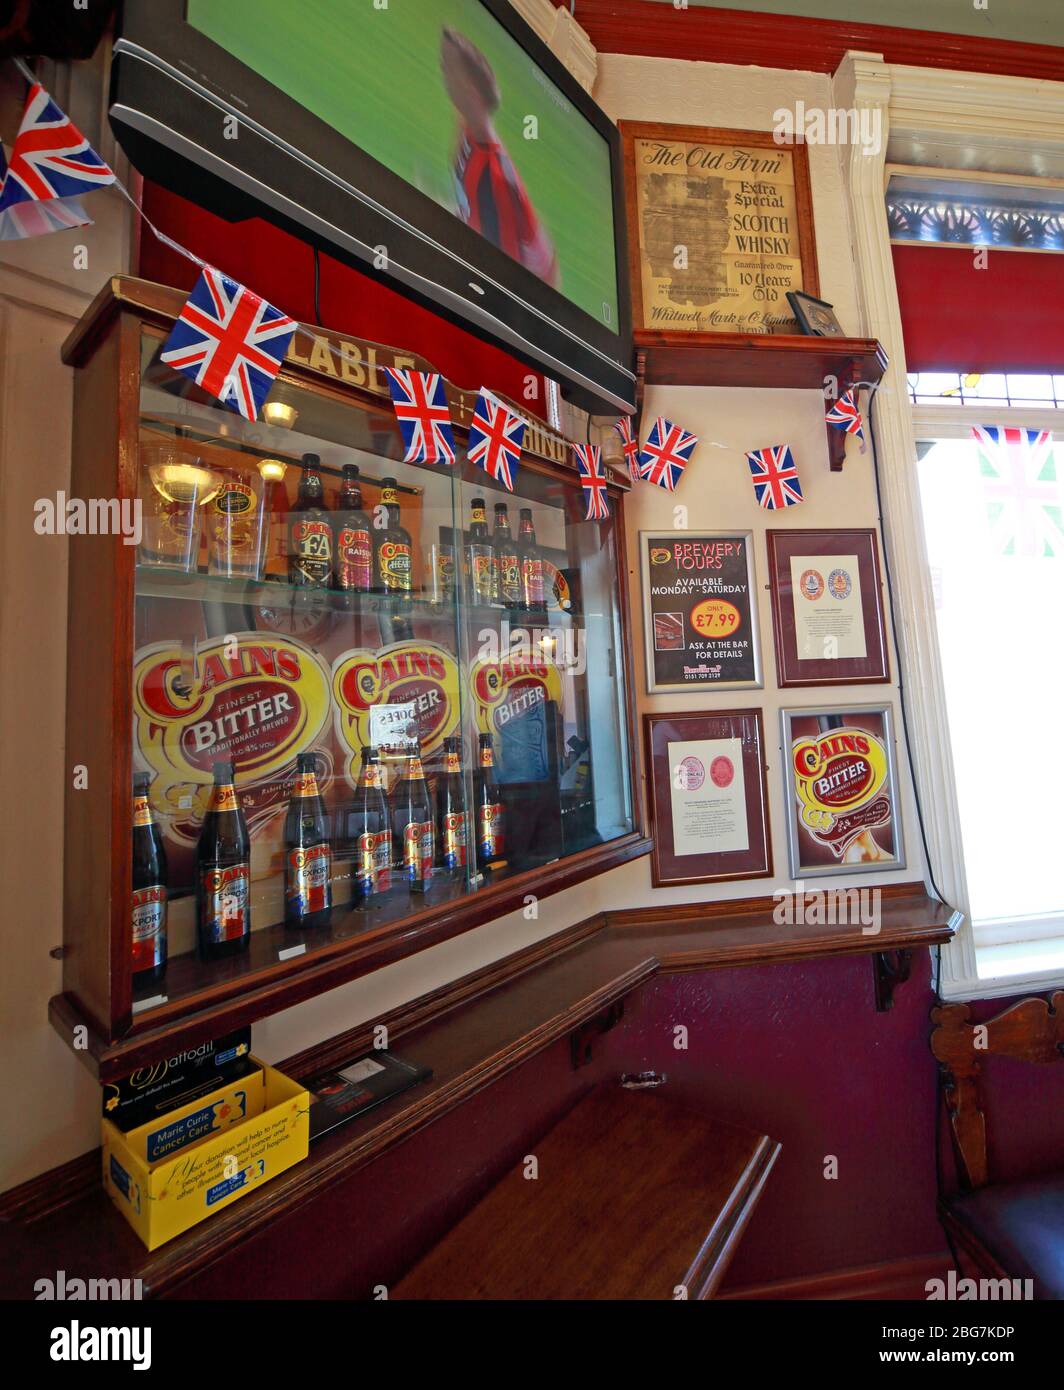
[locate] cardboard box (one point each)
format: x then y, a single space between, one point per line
161 1199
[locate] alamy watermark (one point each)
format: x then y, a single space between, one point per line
844 907
93 516
834 125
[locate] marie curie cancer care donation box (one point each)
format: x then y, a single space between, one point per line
183 1166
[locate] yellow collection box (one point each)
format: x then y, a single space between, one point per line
172 1172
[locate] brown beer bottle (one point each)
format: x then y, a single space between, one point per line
393 552
149 889
223 873
480 554
310 537
307 855
452 822
369 827
490 812
412 824
507 561
352 540
532 588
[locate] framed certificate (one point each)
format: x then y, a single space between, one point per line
699 610
827 608
841 791
707 794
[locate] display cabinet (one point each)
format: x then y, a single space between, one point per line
363 704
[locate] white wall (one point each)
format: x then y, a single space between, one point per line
56 1103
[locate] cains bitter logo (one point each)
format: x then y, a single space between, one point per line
505 689
253 698
839 780
411 672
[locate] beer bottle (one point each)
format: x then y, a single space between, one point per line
307 855
370 830
393 552
149 889
507 561
310 537
451 820
352 540
223 873
480 555
412 824
532 588
491 814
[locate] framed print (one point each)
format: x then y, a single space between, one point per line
827 608
707 795
720 227
816 317
699 610
840 791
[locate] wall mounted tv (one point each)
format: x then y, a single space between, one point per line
437 143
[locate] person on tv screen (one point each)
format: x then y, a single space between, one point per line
491 196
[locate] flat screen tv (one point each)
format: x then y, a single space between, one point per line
436 143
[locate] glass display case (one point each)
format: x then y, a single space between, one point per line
358 704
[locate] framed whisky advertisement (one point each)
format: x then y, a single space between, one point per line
720 229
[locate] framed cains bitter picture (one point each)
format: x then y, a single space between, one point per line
827 608
708 799
841 791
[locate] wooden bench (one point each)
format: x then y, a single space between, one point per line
635 1197
1011 1230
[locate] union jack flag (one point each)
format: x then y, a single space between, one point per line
230 342
845 414
495 438
589 461
36 219
665 454
630 445
421 408
775 477
1021 488
51 161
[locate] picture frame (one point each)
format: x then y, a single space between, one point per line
816 317
708 796
695 638
840 790
828 621
708 295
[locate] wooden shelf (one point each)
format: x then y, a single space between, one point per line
761 360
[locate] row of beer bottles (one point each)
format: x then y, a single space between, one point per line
343 549
401 835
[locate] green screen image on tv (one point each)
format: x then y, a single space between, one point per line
443 96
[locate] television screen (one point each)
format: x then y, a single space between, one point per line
438 140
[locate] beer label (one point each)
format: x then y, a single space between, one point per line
482 569
478 514
235 497
226 899
454 763
306 784
415 771
354 559
224 798
509 577
312 550
141 811
454 841
395 566
445 571
487 756
490 830
389 497
372 776
149 927
532 580
308 881
417 850
374 863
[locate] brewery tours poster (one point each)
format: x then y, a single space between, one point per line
700 620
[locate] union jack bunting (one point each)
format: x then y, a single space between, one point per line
1021 489
36 219
51 162
230 342
589 461
845 414
421 408
665 454
775 477
629 444
495 438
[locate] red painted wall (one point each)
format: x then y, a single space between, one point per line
280 267
1005 318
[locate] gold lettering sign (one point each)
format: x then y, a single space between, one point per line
721 230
